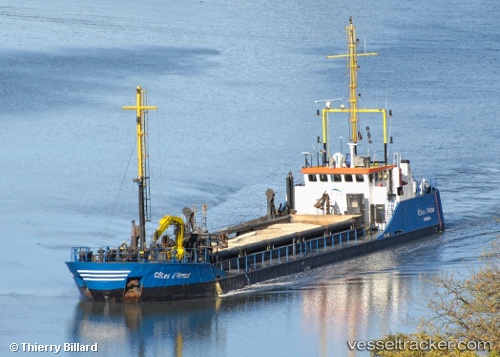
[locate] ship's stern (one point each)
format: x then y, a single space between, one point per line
100 281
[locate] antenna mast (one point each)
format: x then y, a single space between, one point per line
142 160
352 67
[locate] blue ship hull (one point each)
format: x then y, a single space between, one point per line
416 214
160 281
104 281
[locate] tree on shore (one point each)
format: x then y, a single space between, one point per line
466 310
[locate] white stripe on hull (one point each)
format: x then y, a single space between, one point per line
105 271
103 275
102 279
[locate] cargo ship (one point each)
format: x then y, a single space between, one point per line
347 204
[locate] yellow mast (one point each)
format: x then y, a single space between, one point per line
141 115
352 111
352 67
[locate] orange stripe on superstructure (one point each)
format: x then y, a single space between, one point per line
345 170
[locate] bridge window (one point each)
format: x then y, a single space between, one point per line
312 178
359 178
336 178
323 178
348 178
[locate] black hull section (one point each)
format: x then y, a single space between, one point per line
300 265
178 292
240 280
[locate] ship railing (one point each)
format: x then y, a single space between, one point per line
419 187
159 254
288 253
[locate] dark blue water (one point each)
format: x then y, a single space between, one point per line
235 83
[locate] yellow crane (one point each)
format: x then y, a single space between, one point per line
164 223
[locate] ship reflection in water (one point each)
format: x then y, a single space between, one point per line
346 310
143 329
368 302
339 304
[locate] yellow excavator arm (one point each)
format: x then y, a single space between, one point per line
164 223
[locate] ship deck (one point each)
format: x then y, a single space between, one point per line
297 224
